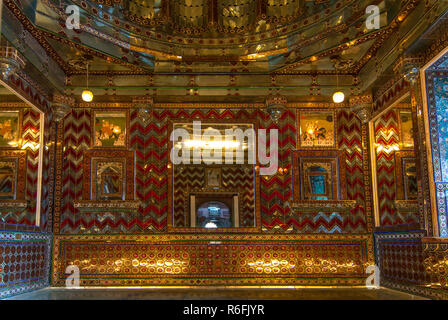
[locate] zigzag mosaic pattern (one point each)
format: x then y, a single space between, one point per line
387 136
234 179
149 140
350 140
30 137
276 190
76 139
31 134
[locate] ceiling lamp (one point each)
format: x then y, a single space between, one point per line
87 95
338 97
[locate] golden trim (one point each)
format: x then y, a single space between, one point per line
376 211
432 188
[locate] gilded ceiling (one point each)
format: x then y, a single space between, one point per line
219 36
293 47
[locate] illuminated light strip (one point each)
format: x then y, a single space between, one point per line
155 53
254 56
212 144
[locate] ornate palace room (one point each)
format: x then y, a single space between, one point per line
224 149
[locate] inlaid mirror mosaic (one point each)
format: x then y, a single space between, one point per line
209 193
21 162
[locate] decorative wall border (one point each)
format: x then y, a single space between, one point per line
20 156
440 195
203 245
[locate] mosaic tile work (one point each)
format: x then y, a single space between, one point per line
24 262
29 142
149 141
412 263
387 143
213 259
239 179
437 97
352 135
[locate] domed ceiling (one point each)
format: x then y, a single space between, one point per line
315 39
219 35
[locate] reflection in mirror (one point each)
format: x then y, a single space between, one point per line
7 179
9 129
21 161
209 194
411 185
318 187
214 214
110 181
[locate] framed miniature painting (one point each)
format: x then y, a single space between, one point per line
110 129
9 129
317 129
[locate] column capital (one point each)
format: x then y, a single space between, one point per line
144 106
275 106
362 106
61 106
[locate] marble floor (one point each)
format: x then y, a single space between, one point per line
215 294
